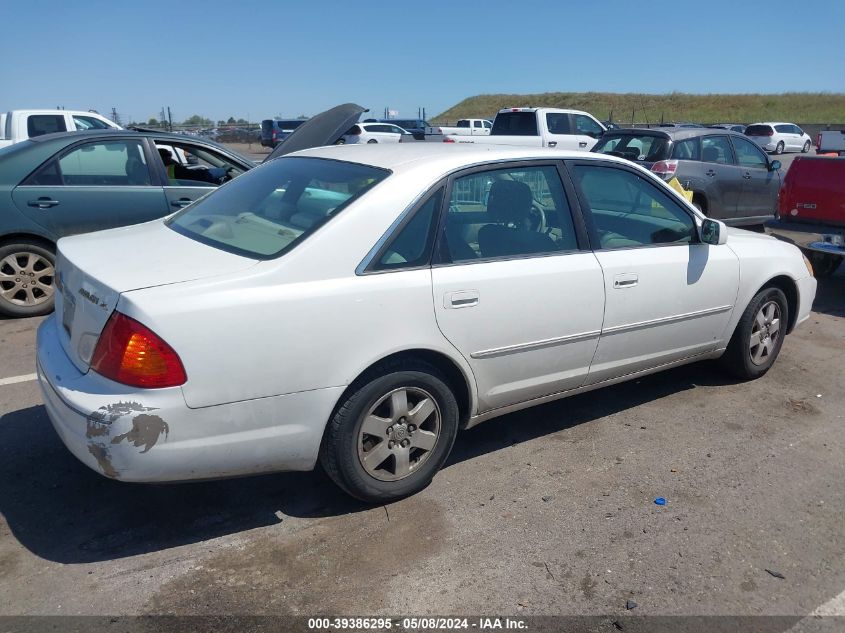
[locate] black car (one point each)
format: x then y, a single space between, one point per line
416 127
274 131
731 178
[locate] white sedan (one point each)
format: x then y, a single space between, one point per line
372 133
360 305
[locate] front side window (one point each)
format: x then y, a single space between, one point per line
190 165
748 154
716 149
629 211
508 212
271 208
586 125
89 123
98 164
38 124
412 245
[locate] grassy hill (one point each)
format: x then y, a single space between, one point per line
800 107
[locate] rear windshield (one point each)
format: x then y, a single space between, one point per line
289 125
645 148
515 124
758 130
267 125
407 123
270 209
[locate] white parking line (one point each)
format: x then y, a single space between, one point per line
833 607
16 379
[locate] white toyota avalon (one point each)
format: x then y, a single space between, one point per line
358 305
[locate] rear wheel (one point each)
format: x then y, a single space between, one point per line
758 336
26 279
779 148
806 147
392 433
372 140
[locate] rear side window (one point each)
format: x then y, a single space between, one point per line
688 149
100 164
759 130
716 149
272 208
462 124
38 124
411 247
636 148
515 124
784 129
629 211
558 123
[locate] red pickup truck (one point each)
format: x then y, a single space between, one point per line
811 211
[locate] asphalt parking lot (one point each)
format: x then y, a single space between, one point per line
544 512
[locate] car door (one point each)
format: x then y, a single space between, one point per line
587 131
723 178
559 132
93 185
516 291
668 296
760 184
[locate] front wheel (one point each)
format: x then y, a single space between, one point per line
371 141
390 436
758 336
779 148
26 280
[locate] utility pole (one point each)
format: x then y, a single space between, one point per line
114 116
169 119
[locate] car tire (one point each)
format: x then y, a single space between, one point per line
824 264
806 147
415 405
758 336
26 279
779 148
371 141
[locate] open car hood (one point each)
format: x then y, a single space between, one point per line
322 129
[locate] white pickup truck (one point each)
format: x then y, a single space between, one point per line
540 127
464 127
19 125
831 142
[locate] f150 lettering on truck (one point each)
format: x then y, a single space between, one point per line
540 127
811 211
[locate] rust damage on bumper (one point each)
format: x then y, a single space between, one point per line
146 431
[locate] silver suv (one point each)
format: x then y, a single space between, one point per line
731 177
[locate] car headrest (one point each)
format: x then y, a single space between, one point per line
509 201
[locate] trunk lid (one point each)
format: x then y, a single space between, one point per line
92 270
323 129
814 191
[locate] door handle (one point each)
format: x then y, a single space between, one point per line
43 203
552 144
181 202
461 299
710 173
626 280
582 144
747 176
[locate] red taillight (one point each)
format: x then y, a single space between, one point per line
665 168
447 139
132 354
819 139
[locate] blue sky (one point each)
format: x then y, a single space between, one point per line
263 58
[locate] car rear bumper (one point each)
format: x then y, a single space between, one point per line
151 435
822 238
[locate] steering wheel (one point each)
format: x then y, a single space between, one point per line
538 217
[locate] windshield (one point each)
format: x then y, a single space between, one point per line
638 148
270 209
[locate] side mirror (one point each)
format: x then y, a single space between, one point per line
713 232
774 165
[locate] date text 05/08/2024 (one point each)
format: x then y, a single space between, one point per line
417 624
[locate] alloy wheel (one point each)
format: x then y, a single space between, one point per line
26 279
764 333
399 433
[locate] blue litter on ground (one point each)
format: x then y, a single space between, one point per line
660 501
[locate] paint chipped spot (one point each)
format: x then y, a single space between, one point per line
111 412
101 454
146 430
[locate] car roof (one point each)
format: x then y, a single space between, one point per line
445 156
773 123
80 135
675 134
